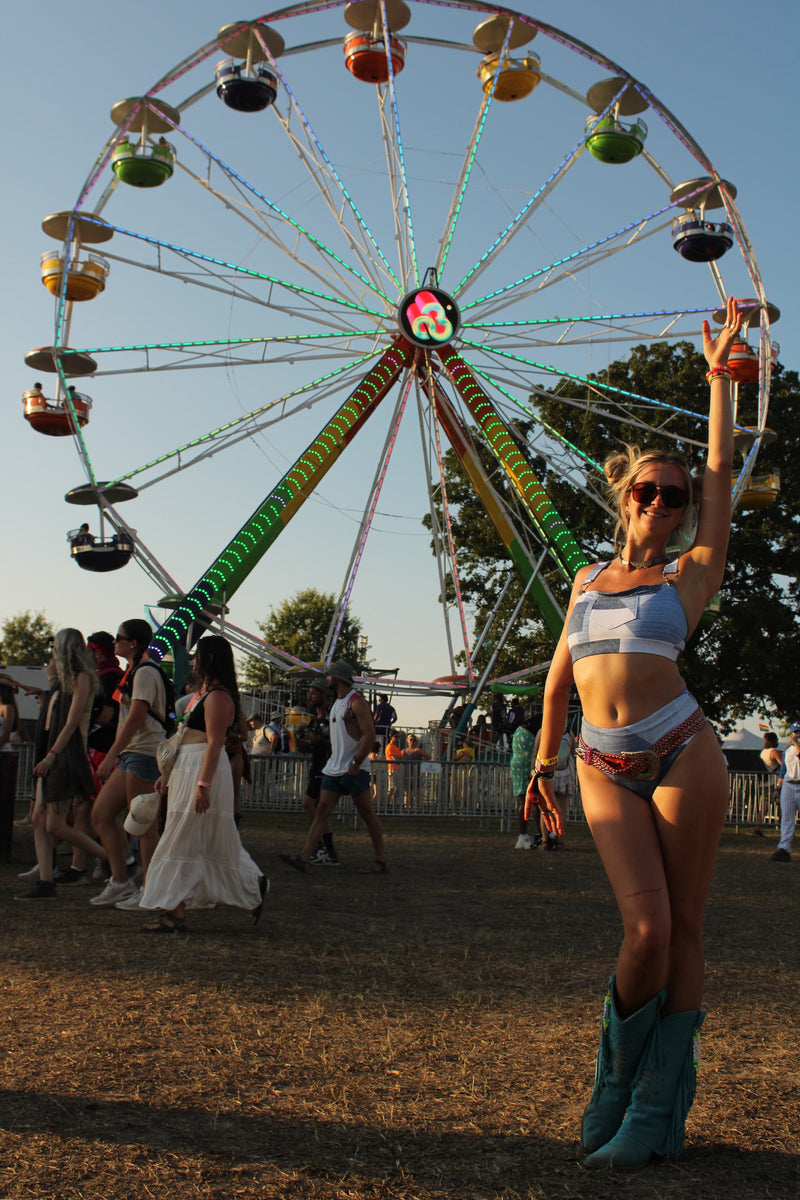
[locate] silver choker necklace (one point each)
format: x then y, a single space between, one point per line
641 566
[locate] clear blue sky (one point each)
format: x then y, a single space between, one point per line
727 73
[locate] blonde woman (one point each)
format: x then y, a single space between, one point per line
653 779
62 773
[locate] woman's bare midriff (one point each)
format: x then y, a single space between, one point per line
619 689
193 737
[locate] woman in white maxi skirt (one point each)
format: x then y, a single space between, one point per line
200 860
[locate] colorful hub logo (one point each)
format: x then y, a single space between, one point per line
429 318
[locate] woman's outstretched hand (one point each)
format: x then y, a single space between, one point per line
540 792
717 349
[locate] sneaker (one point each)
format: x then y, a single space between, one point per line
523 842
70 875
537 842
31 876
130 903
22 822
324 858
552 842
113 892
101 873
45 889
778 856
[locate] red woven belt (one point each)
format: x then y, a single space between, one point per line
643 764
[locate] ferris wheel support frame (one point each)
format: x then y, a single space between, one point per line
244 552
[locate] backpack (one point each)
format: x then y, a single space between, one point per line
168 722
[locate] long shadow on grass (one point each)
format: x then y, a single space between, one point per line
461 1163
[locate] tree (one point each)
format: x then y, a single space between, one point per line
747 659
299 625
27 639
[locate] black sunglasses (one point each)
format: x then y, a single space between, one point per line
672 495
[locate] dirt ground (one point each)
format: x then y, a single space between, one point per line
424 1035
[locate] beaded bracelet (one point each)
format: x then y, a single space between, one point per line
717 373
547 762
537 774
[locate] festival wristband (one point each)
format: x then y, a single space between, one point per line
717 373
201 784
546 762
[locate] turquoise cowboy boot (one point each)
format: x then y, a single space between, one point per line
622 1044
663 1092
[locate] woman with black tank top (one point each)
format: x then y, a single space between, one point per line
653 779
200 860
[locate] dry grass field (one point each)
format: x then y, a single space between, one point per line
424 1035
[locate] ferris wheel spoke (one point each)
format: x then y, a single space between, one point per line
538 198
360 247
588 256
255 421
616 398
311 152
442 529
519 221
343 600
613 321
469 160
230 352
282 218
389 116
211 266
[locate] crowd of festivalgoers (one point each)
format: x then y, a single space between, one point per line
160 847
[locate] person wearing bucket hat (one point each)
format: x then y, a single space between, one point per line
346 773
790 795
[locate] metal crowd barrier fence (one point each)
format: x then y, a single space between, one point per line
479 790
754 799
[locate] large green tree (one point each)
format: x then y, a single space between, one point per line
299 625
746 659
27 639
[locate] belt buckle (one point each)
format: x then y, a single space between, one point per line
653 765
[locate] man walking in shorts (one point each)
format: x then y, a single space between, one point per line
315 740
346 773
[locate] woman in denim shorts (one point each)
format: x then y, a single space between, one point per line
130 769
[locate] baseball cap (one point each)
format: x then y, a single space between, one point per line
795 728
144 810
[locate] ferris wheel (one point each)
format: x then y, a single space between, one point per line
337 221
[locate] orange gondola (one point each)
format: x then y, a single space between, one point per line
56 418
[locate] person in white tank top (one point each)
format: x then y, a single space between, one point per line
346 773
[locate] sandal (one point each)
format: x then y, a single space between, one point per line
255 913
167 923
376 867
294 860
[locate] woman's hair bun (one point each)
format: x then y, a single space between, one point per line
619 463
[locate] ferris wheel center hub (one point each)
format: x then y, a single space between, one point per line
428 317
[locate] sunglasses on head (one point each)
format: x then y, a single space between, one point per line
672 495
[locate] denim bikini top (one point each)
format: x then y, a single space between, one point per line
644 620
